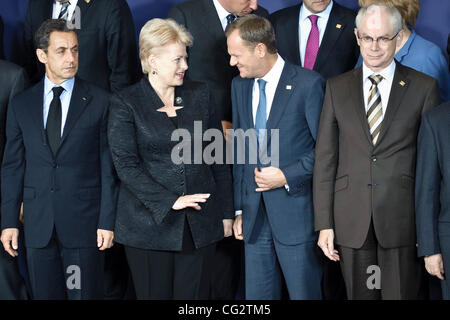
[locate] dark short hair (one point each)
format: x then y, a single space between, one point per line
42 36
254 29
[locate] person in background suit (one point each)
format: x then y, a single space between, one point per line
108 59
171 211
432 194
2 53
416 52
273 201
317 35
208 62
365 163
57 162
108 54
13 80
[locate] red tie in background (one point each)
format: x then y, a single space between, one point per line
312 46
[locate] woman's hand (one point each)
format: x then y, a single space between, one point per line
190 201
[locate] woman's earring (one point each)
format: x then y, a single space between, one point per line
153 72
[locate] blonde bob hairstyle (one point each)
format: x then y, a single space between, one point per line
409 9
157 33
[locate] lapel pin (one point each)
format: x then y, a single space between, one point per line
178 100
84 98
338 26
87 1
402 83
288 87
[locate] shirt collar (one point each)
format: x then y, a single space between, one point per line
405 49
275 73
221 10
387 73
49 85
305 13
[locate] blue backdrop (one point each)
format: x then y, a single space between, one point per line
433 22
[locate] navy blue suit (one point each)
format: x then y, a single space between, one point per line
66 197
288 215
433 188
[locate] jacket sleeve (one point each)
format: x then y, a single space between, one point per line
298 173
127 161
427 194
238 169
326 162
121 50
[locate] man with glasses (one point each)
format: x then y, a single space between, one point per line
365 163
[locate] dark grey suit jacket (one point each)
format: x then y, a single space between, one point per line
151 182
433 183
355 180
13 80
338 52
209 61
107 42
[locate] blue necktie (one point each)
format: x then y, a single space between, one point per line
230 18
260 123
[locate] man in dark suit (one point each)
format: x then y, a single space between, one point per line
13 80
57 162
432 194
280 104
108 59
329 47
317 35
108 55
365 163
208 62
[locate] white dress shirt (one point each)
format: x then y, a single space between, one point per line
222 13
305 27
64 97
57 9
384 87
272 78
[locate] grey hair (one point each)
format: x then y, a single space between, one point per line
394 14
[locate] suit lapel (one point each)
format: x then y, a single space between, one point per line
292 24
37 112
46 10
357 95
398 90
83 11
333 31
247 105
78 103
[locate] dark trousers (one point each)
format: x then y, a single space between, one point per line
397 271
12 286
58 273
268 260
172 275
118 282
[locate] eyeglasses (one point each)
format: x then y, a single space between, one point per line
382 41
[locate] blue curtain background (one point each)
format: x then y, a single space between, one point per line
433 23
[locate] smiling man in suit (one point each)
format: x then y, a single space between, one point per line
317 35
57 162
208 62
274 213
365 163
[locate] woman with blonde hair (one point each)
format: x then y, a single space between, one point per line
170 213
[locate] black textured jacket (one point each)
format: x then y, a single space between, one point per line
141 146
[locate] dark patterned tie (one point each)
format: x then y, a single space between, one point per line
54 120
64 10
230 18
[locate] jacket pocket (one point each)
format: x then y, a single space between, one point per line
341 183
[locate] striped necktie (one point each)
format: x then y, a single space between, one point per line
64 13
375 112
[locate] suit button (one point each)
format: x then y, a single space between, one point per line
52 190
55 165
374 159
